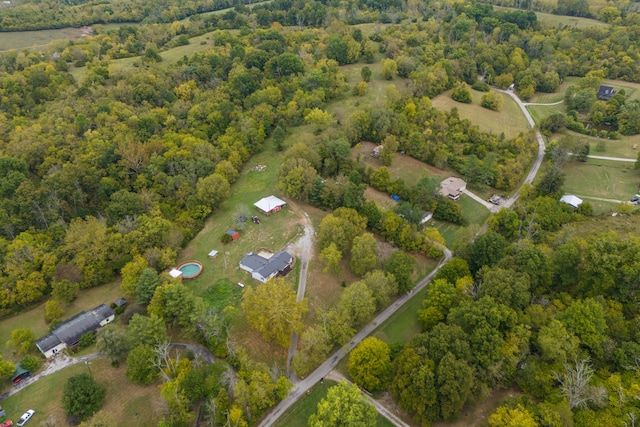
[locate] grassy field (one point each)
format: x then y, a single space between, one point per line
601 179
508 120
473 212
34 318
274 231
126 403
540 112
555 21
298 414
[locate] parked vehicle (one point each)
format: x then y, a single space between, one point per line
7 423
25 417
255 219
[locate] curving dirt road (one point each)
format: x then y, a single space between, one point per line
540 157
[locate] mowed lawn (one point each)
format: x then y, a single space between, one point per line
298 415
126 403
601 179
509 119
473 212
541 112
34 318
274 231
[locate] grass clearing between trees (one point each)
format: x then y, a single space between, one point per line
125 403
601 179
509 119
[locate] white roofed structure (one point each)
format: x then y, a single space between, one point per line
175 273
270 204
571 200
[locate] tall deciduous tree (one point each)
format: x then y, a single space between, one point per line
22 340
82 396
332 256
454 379
364 256
514 417
146 286
370 363
140 365
344 406
401 265
272 309
113 343
149 330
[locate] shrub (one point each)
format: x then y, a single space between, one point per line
461 93
30 363
481 87
225 238
87 340
492 101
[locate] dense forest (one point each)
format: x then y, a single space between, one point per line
113 172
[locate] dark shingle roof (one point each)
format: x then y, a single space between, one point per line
253 261
73 328
277 263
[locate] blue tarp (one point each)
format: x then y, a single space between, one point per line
395 197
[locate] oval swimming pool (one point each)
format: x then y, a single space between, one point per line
190 269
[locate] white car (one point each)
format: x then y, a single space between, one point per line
25 417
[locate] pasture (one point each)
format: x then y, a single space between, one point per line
509 119
601 179
125 403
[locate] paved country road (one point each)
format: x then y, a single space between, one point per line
301 387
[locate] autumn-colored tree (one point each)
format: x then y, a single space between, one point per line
512 417
364 256
344 406
273 310
22 340
332 256
370 363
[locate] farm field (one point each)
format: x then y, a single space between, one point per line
508 120
125 403
601 179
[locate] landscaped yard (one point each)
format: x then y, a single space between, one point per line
540 112
125 403
509 119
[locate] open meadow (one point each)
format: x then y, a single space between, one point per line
125 403
509 119
601 179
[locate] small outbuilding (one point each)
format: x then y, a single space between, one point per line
571 200
376 151
269 205
20 374
175 273
426 218
452 188
213 254
605 93
234 235
120 303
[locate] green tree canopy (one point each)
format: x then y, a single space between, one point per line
370 363
82 396
344 406
273 310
